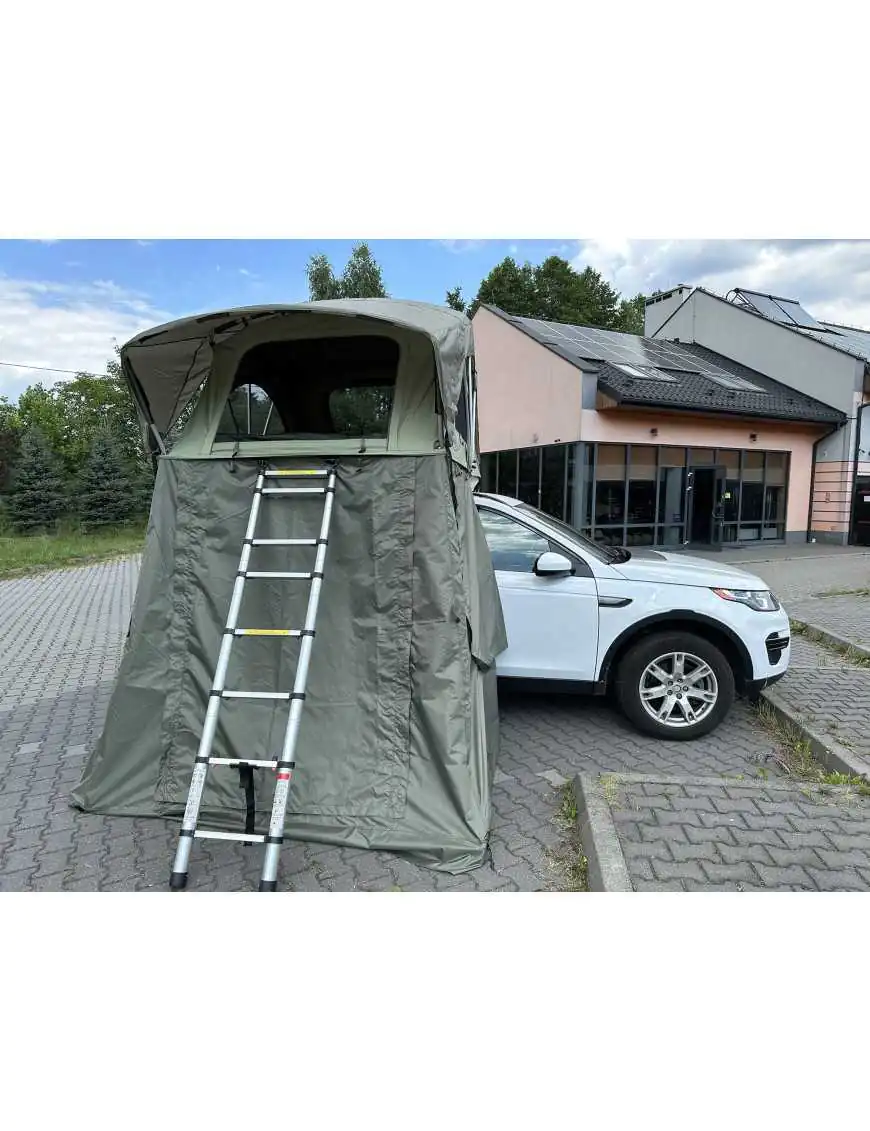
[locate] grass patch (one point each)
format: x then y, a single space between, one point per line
610 788
795 757
23 555
568 865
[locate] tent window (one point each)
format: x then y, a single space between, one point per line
313 388
249 413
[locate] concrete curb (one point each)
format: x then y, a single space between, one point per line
831 638
832 754
607 870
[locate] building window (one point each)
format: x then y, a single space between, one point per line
609 494
553 460
671 508
636 494
751 497
775 466
529 485
489 473
507 473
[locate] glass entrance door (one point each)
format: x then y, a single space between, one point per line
705 500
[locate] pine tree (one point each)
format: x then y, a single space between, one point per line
38 497
455 300
107 494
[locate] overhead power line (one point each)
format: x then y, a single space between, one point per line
51 369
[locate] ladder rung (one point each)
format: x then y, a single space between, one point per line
282 574
261 763
283 541
255 694
315 471
214 834
293 491
267 632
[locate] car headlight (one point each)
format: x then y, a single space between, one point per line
762 600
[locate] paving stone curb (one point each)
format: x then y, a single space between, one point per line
607 869
832 754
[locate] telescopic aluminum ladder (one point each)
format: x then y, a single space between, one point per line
284 765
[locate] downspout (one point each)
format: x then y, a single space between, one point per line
856 459
820 440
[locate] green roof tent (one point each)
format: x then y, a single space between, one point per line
400 728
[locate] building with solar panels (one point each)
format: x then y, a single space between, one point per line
732 422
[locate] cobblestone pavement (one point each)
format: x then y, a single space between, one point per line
799 578
66 629
831 697
63 629
845 616
62 634
733 836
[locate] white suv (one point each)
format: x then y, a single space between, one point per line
676 637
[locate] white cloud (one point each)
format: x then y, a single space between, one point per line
460 246
831 278
66 326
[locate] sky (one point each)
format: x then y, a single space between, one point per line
64 302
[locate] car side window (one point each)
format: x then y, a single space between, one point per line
513 547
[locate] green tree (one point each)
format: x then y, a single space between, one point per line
107 494
361 278
510 287
632 312
555 292
455 300
10 440
322 283
71 412
38 498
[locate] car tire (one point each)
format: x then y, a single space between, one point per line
638 667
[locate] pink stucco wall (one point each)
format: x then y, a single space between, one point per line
527 395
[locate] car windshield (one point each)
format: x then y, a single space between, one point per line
606 554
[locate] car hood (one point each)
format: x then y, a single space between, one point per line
679 569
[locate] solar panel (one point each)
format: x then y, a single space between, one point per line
763 304
798 315
634 352
786 311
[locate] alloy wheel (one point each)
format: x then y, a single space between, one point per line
678 689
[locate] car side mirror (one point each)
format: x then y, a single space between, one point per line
553 565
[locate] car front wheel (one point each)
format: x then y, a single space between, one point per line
675 685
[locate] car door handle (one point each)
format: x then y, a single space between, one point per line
613 602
